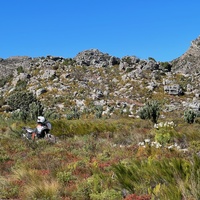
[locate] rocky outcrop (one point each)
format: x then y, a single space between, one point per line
9 65
95 58
174 89
189 62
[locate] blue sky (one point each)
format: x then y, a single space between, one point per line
159 29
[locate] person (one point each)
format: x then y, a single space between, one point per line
43 127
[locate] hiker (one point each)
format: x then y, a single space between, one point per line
43 127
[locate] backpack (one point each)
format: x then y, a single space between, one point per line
48 125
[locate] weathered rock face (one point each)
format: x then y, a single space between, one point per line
189 62
128 62
96 58
7 66
174 89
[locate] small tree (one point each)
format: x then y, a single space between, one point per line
189 116
150 111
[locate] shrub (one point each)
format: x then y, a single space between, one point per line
136 197
166 134
20 70
74 114
69 61
21 100
162 137
189 116
9 190
150 111
21 85
51 114
5 80
150 58
165 66
110 194
2 101
99 111
25 106
64 177
35 109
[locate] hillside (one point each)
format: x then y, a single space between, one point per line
105 149
96 78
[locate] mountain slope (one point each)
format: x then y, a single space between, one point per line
93 79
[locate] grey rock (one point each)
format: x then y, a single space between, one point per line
128 62
95 58
48 73
174 89
189 62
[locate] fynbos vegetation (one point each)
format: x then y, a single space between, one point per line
150 111
125 128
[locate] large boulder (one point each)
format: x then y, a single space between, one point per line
174 89
128 62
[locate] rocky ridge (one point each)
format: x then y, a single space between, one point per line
98 79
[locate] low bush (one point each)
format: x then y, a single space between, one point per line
189 116
150 111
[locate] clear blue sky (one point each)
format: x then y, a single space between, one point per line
162 29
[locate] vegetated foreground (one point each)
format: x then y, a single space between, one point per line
109 159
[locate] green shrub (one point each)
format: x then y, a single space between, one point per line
150 111
51 114
64 177
162 137
95 188
35 110
25 106
165 66
99 111
189 116
74 114
21 85
69 61
194 146
110 194
21 100
20 70
150 58
2 101
168 134
5 80
8 190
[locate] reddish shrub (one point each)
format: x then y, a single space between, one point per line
136 197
